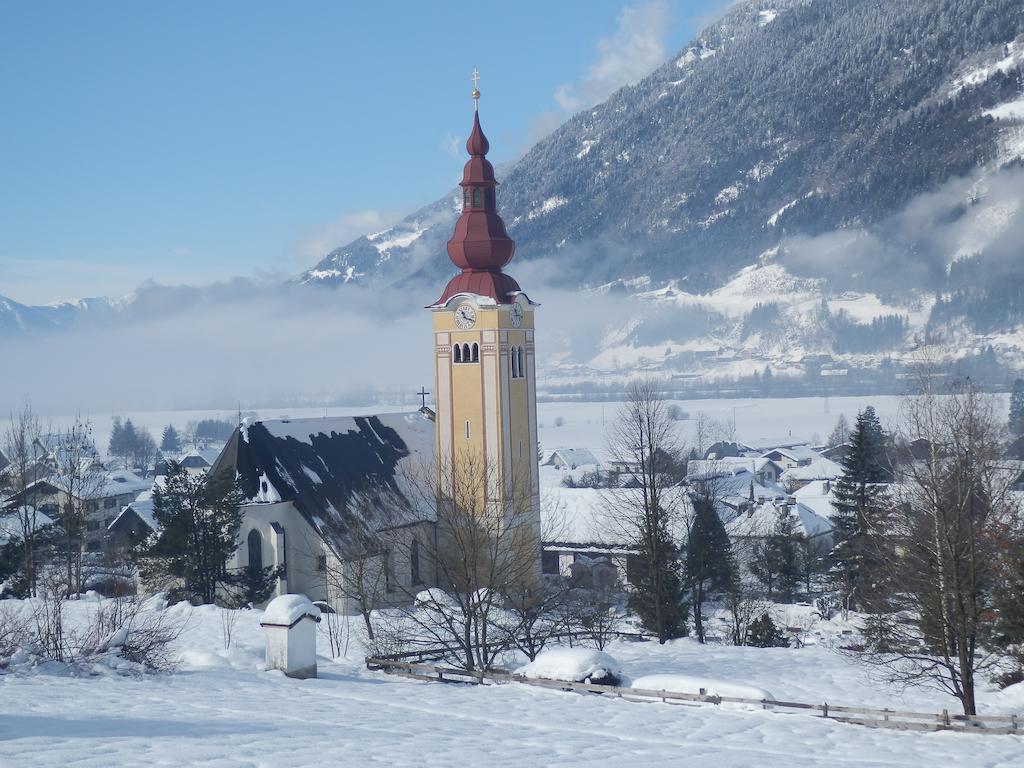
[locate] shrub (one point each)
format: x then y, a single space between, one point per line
764 634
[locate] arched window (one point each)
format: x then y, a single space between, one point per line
476 353
458 353
520 366
489 199
414 562
255 542
465 198
466 354
513 362
476 198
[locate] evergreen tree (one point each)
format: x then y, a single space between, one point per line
709 561
764 634
198 518
840 433
860 513
116 446
1017 408
777 558
658 590
169 441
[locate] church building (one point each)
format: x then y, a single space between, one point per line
319 489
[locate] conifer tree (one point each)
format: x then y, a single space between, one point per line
169 441
198 518
709 561
860 513
776 560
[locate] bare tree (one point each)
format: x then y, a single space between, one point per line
646 513
945 527
80 478
22 445
485 551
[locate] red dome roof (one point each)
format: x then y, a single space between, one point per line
480 247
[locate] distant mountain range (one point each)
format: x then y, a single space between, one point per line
807 178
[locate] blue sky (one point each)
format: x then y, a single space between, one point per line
192 141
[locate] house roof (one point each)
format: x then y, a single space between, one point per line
122 481
819 469
574 457
329 467
16 523
703 469
761 519
794 452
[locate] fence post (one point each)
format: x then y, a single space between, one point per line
886 715
824 709
945 717
1013 722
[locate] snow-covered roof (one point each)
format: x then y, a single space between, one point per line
819 469
818 496
17 523
760 520
122 481
143 509
795 453
704 469
335 470
573 457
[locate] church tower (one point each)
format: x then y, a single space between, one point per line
484 369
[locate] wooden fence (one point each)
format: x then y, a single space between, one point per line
876 718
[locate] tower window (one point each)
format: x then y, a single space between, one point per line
467 356
476 198
520 449
489 199
516 359
467 429
457 350
476 353
466 198
414 562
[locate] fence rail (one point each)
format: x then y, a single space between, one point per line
875 718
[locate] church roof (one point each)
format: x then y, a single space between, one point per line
343 474
480 246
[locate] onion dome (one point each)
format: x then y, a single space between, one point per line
480 247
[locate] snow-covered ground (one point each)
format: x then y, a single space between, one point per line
571 424
221 709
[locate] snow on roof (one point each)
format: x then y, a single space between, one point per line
17 523
573 457
122 481
760 520
704 469
336 470
819 469
143 509
286 610
817 495
795 452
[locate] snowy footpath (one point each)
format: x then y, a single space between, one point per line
221 709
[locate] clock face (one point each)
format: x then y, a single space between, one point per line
465 316
516 315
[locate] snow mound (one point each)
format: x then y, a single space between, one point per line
689 684
578 665
287 609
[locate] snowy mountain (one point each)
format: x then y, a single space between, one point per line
865 153
18 319
815 186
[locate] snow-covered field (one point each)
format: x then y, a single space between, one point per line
573 424
221 709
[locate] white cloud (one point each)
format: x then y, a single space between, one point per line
636 48
344 230
452 145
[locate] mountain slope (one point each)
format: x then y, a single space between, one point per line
793 117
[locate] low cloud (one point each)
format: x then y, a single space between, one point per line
266 344
346 228
635 49
916 246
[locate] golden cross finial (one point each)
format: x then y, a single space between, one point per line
475 77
